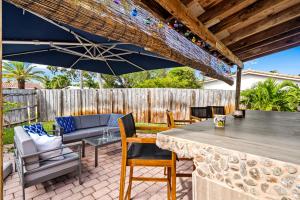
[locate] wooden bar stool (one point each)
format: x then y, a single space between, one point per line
218 110
137 151
171 122
200 113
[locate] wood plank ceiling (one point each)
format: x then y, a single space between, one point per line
249 28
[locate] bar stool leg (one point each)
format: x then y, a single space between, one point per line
169 182
130 183
122 178
173 176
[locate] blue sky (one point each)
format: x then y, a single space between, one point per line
286 62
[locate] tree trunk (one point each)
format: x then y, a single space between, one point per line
21 84
81 79
99 81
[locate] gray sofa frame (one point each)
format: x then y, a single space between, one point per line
32 170
86 126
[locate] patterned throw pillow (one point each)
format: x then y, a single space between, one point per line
67 123
35 129
113 120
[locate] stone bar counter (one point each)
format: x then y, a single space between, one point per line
257 157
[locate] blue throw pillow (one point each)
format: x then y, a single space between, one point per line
67 123
113 120
35 129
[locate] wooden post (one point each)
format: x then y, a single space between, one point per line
238 88
1 110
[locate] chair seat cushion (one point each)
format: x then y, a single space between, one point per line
83 133
88 132
113 120
52 169
148 152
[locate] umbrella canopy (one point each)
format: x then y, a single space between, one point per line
35 39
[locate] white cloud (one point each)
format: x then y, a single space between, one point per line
251 63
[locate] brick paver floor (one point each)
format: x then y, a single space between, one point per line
101 182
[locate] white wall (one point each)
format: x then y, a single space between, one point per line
248 80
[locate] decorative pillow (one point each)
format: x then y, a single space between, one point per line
67 123
35 129
113 120
44 143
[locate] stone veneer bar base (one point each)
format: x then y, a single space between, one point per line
256 176
257 157
205 189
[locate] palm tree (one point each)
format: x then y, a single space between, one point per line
271 95
21 72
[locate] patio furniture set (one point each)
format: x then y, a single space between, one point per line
37 163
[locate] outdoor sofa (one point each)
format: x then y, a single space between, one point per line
86 126
34 168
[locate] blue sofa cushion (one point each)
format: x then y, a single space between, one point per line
67 123
113 120
35 129
89 121
104 118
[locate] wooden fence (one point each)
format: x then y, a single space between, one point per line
25 109
147 105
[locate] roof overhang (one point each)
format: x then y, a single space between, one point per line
249 29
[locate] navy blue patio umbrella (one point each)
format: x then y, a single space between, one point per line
28 37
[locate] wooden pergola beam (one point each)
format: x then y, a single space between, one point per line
268 41
264 24
222 10
287 42
266 34
178 10
254 12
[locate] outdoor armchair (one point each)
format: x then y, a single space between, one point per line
32 169
138 151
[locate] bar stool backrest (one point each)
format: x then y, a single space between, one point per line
170 119
218 110
201 112
127 127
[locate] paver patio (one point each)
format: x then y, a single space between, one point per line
101 182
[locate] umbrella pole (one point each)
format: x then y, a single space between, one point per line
1 109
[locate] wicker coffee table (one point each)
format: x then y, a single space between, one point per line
99 141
